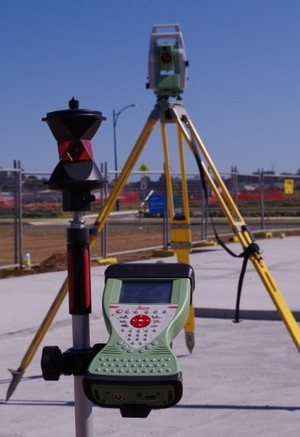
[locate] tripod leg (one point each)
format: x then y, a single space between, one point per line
241 231
180 225
29 354
127 169
184 255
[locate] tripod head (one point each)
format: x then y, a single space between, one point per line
167 64
76 174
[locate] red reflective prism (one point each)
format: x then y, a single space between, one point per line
75 150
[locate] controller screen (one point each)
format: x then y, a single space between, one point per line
146 292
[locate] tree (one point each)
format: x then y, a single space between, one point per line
32 183
143 167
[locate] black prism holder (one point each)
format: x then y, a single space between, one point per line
76 175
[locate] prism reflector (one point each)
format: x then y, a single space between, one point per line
75 150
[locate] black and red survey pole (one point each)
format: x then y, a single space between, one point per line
76 175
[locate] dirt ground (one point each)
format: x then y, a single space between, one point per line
47 245
58 262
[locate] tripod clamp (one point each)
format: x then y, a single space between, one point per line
55 363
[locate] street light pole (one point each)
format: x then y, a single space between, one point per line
116 115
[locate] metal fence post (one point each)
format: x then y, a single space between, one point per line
18 228
235 186
262 200
204 215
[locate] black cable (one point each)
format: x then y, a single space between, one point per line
247 252
250 250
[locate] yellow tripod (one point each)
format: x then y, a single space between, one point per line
167 111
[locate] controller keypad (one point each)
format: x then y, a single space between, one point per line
139 325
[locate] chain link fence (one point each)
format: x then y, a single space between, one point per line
33 224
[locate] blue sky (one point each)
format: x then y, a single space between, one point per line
243 93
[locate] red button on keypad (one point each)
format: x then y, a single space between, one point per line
140 321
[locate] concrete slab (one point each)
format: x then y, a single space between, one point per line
240 380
